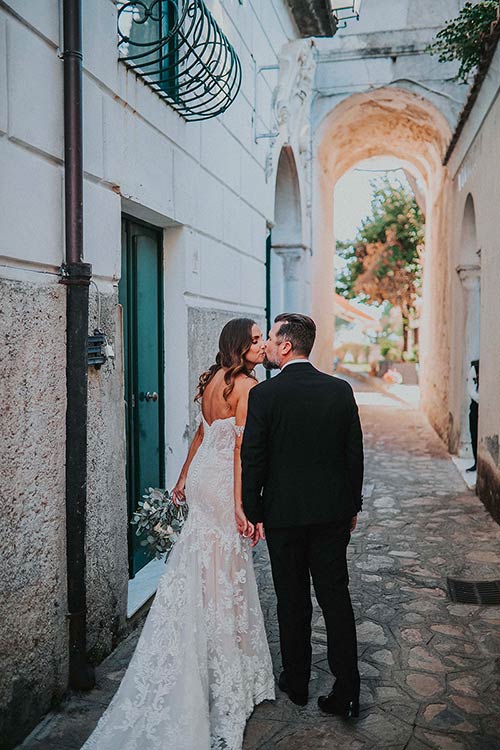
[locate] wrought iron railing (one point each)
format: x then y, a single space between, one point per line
179 50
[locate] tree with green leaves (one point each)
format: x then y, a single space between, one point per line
466 37
384 263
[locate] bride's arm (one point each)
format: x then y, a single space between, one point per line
245 385
178 493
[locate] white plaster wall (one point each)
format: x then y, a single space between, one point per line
207 179
405 15
471 168
138 154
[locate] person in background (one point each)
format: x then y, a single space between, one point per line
473 391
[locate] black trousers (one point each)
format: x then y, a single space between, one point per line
297 554
473 420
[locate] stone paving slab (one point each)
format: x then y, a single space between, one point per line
429 667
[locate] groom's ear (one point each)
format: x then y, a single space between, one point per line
286 348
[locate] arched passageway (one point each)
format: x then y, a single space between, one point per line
387 122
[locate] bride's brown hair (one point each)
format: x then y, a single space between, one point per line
234 342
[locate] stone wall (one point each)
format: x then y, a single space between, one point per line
106 556
488 479
33 637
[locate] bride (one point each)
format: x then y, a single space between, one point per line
202 662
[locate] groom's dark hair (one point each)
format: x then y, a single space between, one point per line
299 330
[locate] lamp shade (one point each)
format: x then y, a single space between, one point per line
348 6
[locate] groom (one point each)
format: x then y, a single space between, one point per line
302 472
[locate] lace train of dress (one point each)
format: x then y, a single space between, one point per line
202 662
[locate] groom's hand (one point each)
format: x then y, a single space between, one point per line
258 534
354 521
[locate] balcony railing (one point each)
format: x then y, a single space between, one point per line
180 51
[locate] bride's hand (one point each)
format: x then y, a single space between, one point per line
178 493
245 528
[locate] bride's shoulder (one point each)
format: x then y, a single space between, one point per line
244 383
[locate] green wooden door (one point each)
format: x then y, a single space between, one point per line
140 294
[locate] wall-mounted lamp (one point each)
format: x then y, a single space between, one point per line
344 10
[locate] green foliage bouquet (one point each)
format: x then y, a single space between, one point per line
159 520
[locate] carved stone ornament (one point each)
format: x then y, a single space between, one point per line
291 99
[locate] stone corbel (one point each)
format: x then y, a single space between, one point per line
293 275
292 256
470 275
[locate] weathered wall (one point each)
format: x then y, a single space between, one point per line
435 329
32 463
106 539
474 180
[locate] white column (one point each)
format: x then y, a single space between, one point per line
323 275
293 276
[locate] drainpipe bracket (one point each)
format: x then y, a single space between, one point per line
76 274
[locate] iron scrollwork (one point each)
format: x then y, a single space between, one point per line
179 50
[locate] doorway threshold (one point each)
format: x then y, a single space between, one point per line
469 477
143 585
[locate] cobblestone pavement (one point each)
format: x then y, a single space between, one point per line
429 667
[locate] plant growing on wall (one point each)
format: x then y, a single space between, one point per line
384 263
466 37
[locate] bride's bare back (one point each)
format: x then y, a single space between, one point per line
214 405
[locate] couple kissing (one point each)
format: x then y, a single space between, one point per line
280 460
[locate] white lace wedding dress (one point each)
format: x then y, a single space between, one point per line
202 662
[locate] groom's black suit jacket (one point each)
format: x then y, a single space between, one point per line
302 452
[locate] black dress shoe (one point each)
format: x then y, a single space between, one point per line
335 706
472 468
342 700
300 699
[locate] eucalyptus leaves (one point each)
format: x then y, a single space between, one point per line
466 37
160 520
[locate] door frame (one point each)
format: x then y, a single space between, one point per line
130 364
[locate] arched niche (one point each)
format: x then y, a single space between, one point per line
467 341
468 235
287 265
287 228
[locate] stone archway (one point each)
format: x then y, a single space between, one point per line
288 263
395 122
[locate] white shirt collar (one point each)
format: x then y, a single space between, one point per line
295 362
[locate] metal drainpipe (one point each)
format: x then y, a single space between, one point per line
76 276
